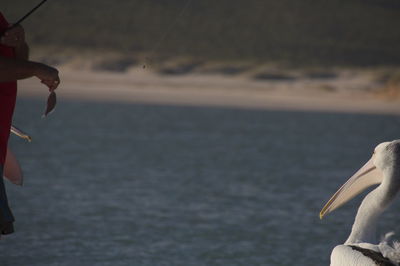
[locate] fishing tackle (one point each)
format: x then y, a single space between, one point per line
25 16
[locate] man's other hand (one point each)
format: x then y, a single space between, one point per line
14 37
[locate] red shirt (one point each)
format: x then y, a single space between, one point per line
8 95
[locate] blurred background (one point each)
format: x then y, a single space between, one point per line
199 132
348 33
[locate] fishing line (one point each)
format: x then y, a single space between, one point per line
148 59
29 13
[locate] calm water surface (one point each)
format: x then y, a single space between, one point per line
114 184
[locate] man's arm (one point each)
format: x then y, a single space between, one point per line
16 69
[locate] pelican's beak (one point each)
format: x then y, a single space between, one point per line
367 176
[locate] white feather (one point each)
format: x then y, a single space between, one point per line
391 252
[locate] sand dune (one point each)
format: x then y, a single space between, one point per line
346 93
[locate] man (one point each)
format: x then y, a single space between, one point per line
14 65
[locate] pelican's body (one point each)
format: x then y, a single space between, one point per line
356 256
361 248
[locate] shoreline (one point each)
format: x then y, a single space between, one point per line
139 86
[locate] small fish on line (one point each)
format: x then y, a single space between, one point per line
51 103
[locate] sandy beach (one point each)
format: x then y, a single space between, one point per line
349 92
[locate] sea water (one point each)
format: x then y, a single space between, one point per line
126 184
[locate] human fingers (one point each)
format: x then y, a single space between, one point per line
51 84
45 72
48 75
14 37
15 31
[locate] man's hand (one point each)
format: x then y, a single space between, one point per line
14 37
48 75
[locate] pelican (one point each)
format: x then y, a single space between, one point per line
361 247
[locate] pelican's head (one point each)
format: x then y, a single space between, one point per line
386 157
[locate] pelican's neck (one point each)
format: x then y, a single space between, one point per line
373 205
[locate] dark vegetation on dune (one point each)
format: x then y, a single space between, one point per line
302 33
